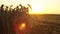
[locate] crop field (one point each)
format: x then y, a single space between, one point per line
39 24
45 24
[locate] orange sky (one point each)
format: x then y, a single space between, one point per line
38 6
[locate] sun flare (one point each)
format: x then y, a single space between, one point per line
22 26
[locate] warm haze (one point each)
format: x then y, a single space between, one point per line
38 6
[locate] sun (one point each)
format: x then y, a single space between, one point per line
36 8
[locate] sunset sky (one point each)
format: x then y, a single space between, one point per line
38 6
